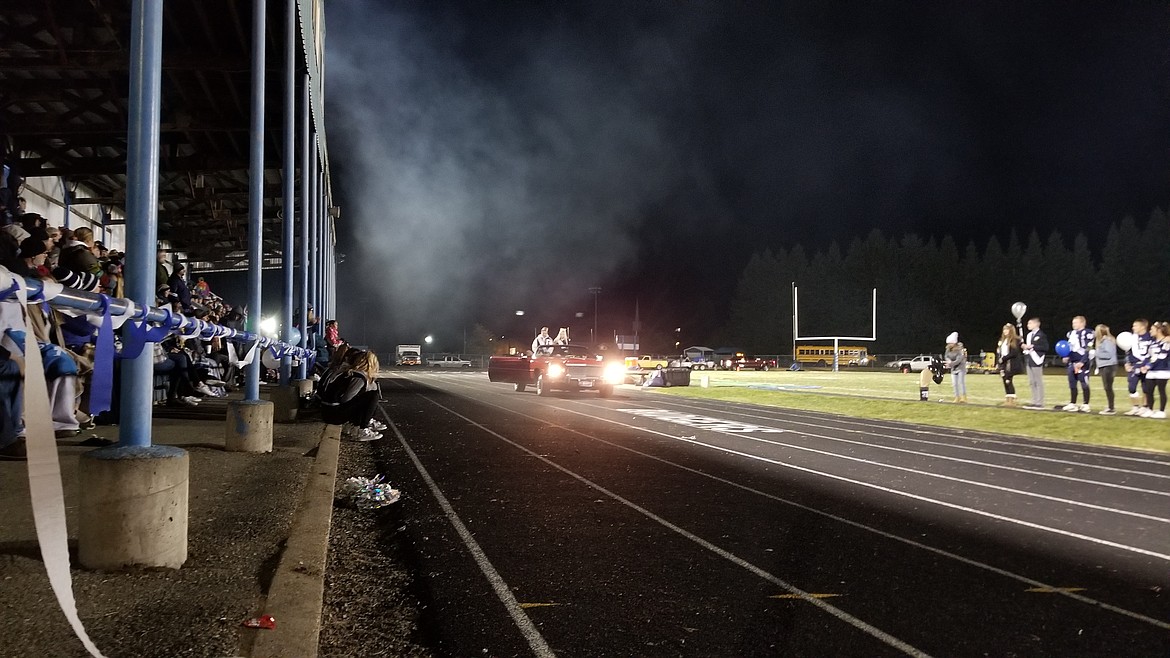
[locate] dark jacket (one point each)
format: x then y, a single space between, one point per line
1011 363
179 289
1039 347
77 257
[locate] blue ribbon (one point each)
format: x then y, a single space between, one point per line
102 386
5 294
135 335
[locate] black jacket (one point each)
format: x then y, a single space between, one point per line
1039 346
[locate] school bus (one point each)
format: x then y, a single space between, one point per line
822 355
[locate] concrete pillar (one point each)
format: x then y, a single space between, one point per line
249 426
133 507
285 401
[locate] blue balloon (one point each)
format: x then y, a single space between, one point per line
1063 348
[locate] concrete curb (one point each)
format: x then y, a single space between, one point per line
296 595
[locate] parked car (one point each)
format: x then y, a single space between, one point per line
917 364
741 361
449 362
409 359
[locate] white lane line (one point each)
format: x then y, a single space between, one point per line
870 432
930 455
938 551
535 640
730 557
971 435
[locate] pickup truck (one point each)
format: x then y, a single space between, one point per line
559 368
744 362
449 362
917 364
646 362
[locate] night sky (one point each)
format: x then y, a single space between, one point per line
495 156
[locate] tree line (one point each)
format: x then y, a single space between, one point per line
929 287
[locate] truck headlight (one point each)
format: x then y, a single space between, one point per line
555 371
615 373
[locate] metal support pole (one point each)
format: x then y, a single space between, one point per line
322 245
288 204
256 193
306 167
146 29
313 262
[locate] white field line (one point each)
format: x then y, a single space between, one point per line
523 622
992 515
726 555
969 435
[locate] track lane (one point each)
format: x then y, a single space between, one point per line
846 505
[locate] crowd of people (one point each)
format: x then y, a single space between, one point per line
1143 354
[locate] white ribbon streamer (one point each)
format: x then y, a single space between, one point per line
44 477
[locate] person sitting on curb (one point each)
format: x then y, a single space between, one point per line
351 399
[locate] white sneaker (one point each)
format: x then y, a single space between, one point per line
1107 412
1147 413
367 434
203 389
1071 406
188 400
1158 414
1085 409
377 425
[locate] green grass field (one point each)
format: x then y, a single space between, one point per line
894 396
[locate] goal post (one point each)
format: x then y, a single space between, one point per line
796 337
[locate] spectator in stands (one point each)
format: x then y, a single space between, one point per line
179 290
63 237
332 336
351 399
11 375
78 255
162 272
34 254
30 221
180 390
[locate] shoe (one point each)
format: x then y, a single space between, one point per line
1134 411
1107 412
367 434
14 452
1071 406
1158 414
1147 413
214 382
962 399
66 434
189 401
1086 409
377 425
1032 407
202 389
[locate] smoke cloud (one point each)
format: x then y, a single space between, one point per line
493 191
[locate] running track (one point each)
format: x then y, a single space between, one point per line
651 525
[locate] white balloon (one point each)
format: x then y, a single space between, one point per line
1125 340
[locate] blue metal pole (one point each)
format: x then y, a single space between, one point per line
256 193
142 149
322 218
290 145
314 218
306 167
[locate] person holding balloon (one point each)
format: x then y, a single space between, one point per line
1156 368
1035 348
1138 345
1076 352
1106 364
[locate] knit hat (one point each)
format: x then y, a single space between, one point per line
953 338
31 246
83 281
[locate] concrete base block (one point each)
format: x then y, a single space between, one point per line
285 403
133 508
304 387
249 426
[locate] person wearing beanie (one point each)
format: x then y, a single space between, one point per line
955 358
33 251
